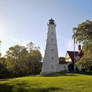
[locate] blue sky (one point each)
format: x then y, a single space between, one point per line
24 21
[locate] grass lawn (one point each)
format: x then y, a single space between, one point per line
64 82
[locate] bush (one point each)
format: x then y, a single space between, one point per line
85 63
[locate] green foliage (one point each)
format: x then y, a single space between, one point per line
14 56
19 61
83 32
2 66
86 63
31 47
64 82
87 48
3 69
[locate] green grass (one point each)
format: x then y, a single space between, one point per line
64 82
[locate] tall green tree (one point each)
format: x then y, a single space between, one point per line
20 61
14 56
83 34
3 68
31 47
35 57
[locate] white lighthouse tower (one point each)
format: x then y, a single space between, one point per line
50 61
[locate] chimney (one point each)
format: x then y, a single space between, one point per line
79 48
80 51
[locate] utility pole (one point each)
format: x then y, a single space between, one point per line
74 67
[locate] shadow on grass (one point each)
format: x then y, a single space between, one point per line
9 88
66 74
85 73
5 88
59 74
52 89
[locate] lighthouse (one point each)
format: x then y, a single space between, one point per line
50 60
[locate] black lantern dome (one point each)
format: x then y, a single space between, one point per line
51 21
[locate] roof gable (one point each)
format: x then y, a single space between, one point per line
71 54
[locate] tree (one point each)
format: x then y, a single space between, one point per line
34 58
16 52
14 56
22 62
87 48
86 63
31 47
3 66
83 34
36 61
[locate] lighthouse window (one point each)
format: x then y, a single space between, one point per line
52 49
51 39
51 27
52 32
52 66
52 58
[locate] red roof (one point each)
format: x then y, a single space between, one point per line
71 54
